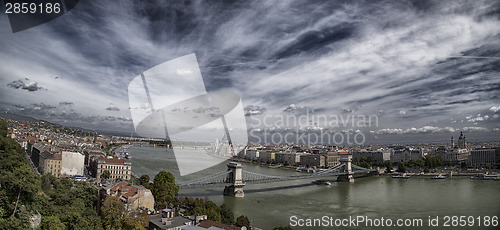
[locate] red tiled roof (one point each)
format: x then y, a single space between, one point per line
125 187
210 223
101 142
131 192
119 186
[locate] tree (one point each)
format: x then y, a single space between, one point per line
131 223
106 174
164 188
22 183
388 166
3 128
242 221
144 180
51 222
112 213
401 167
227 215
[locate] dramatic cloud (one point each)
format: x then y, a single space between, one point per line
252 110
113 108
495 109
43 106
29 86
294 109
63 103
428 129
411 64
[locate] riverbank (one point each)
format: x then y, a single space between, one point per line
272 204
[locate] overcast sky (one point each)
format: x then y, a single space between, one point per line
426 69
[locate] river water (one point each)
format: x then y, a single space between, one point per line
412 201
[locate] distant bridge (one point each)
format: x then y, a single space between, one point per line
235 177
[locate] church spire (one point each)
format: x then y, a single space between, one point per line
461 141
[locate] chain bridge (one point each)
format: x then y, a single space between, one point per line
235 177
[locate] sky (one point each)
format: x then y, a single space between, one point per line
426 70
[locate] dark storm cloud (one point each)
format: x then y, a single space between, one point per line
252 110
21 84
63 103
412 61
43 106
112 108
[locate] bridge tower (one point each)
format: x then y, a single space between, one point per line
346 159
234 177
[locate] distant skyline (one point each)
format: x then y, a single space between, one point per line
426 69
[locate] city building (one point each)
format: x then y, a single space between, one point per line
287 158
51 163
484 156
90 153
117 167
135 197
269 156
332 158
252 155
72 163
462 144
378 155
36 149
456 154
406 154
312 160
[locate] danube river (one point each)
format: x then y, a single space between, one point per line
414 201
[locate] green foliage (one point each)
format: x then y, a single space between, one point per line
164 188
19 183
433 161
106 174
3 128
401 167
113 216
21 221
131 223
144 181
367 162
388 167
222 214
62 204
227 214
51 222
242 221
113 211
415 163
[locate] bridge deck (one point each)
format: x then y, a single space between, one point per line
223 178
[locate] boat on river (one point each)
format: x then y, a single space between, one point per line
321 182
440 176
402 176
486 177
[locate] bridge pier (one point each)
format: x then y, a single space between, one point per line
346 159
236 179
